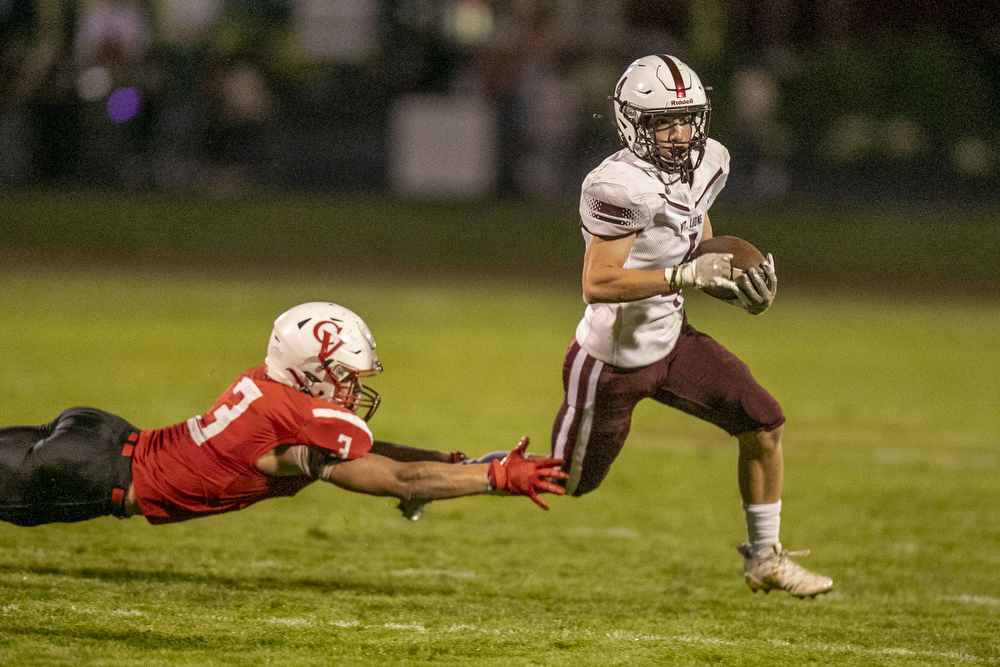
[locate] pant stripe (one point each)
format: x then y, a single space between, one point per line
569 416
575 429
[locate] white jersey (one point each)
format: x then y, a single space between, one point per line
624 196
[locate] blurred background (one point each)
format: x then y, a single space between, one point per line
830 100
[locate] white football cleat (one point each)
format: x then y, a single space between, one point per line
412 509
773 568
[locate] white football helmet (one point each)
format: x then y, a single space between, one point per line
655 86
323 350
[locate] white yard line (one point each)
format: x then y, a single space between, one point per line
429 572
616 635
799 646
974 599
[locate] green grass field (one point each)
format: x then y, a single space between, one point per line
892 463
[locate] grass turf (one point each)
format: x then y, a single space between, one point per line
891 479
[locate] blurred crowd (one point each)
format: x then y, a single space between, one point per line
223 94
227 95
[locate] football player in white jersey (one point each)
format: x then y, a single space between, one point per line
643 211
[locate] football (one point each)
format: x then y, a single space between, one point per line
745 256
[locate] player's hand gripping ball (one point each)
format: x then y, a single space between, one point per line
753 274
745 256
756 288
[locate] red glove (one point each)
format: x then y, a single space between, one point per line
521 476
458 457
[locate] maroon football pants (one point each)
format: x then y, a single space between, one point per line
699 377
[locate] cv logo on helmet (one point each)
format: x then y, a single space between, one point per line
327 332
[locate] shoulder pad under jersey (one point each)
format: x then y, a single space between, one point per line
614 199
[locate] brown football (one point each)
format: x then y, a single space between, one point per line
745 256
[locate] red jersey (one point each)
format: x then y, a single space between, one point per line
208 464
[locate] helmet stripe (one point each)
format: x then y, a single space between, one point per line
676 73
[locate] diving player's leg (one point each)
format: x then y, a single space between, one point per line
15 446
78 467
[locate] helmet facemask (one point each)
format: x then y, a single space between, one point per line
341 385
349 392
674 158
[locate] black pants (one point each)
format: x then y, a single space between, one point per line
77 467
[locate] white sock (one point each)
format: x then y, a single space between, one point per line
763 523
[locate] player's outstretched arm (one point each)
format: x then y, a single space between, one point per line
430 480
404 453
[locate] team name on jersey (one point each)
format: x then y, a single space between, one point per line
692 223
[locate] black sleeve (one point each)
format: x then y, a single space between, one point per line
319 458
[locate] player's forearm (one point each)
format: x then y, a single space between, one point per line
404 453
436 481
617 285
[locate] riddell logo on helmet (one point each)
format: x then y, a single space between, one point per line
675 103
328 335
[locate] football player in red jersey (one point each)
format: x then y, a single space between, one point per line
300 417
643 212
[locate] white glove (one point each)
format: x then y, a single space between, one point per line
755 291
713 269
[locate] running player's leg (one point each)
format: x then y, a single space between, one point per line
761 467
708 381
704 379
595 417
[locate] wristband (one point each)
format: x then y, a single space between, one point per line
670 274
492 473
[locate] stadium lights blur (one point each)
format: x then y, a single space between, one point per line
123 104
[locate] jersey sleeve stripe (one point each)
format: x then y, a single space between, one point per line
343 415
605 236
608 209
627 217
605 218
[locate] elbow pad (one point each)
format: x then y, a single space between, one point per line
320 461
